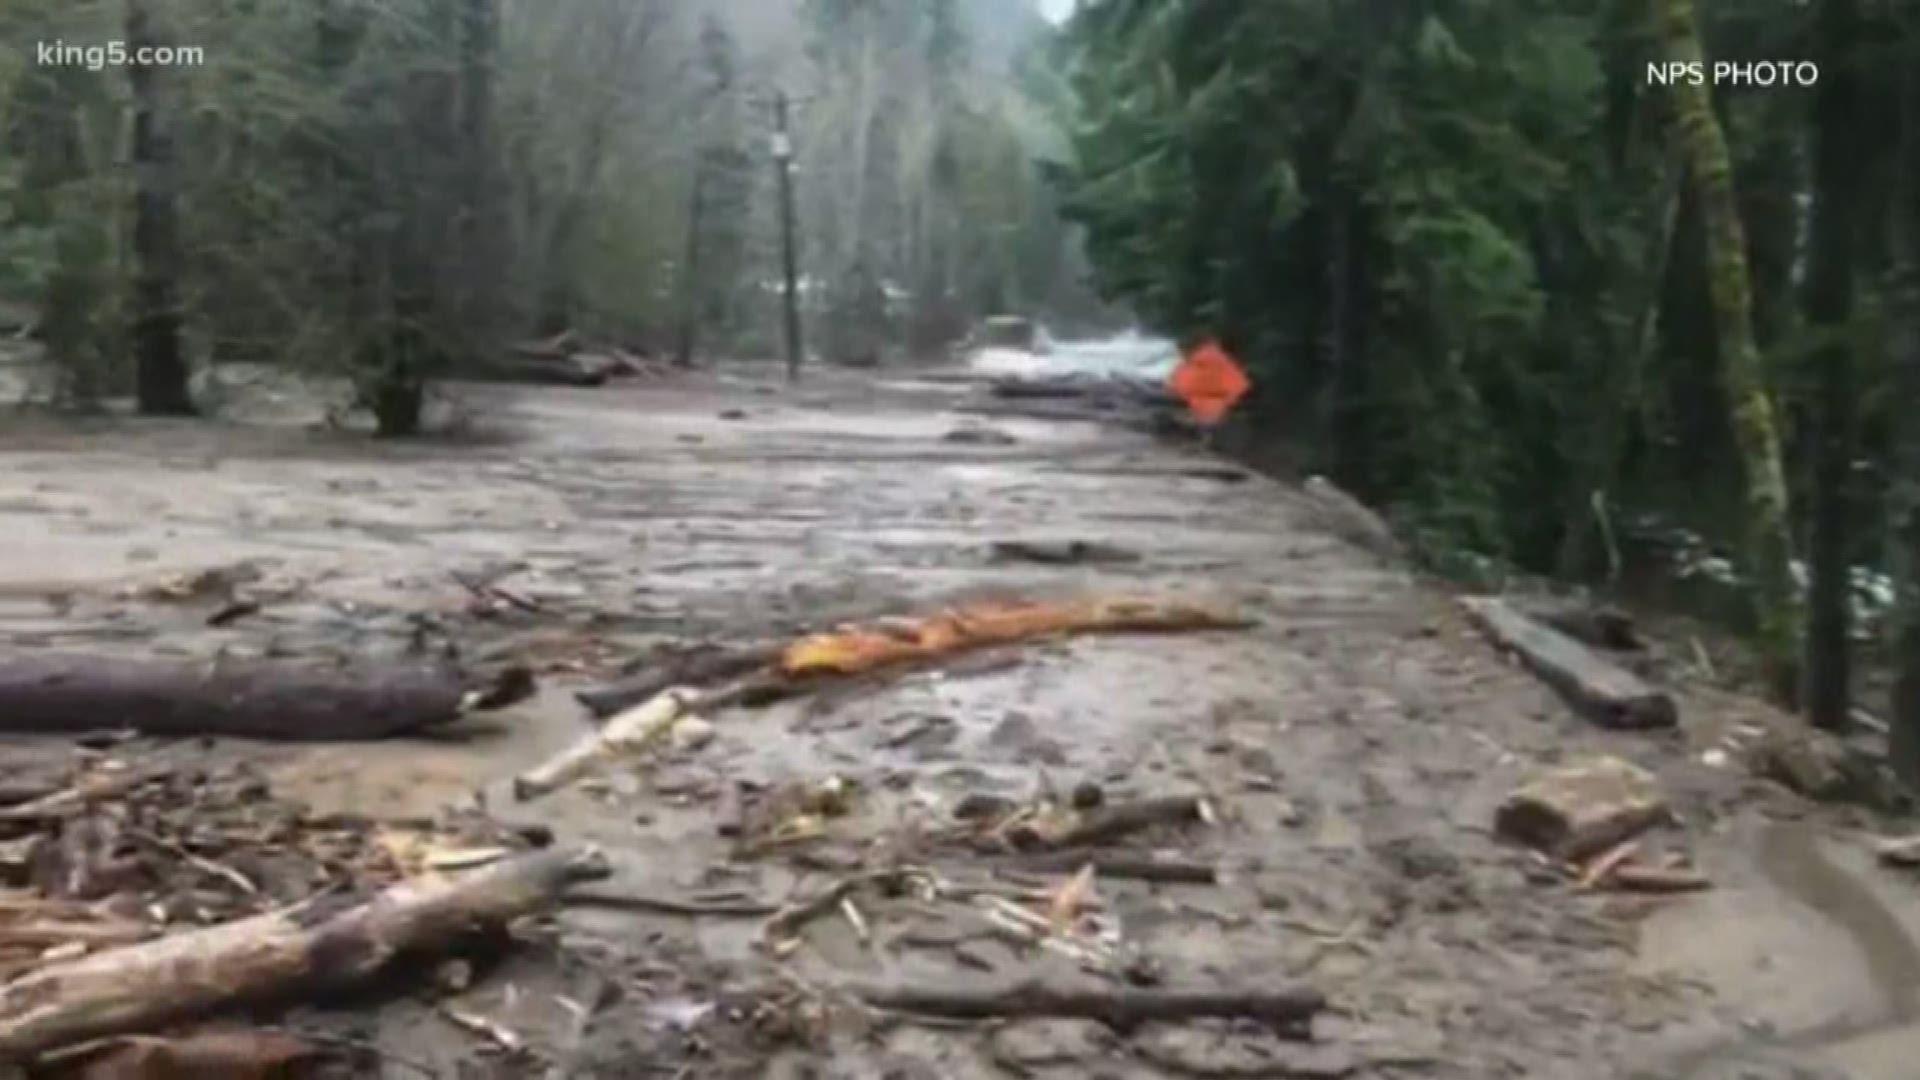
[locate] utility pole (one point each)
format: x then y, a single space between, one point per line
789 258
692 293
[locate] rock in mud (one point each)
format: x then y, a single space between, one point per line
1040 1044
1582 809
1021 735
1825 768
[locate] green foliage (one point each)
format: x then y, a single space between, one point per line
1433 229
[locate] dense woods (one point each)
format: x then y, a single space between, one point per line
386 192
1552 311
1553 314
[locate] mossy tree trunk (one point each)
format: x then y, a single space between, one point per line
1769 548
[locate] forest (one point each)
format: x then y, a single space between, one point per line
1493 274
1557 316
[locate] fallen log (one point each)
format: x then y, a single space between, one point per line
69 694
144 987
1120 1008
1603 691
704 667
1902 852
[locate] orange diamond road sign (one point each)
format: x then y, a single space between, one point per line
1210 382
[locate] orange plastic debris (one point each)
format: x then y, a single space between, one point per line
863 648
1210 381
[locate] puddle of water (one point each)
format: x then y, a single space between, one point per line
1863 949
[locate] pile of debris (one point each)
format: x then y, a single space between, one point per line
568 359
141 897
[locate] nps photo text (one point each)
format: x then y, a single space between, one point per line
1762 73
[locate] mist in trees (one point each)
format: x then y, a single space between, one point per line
384 194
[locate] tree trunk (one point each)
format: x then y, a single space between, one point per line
692 294
1829 308
1904 315
1750 405
161 372
481 211
146 987
65 693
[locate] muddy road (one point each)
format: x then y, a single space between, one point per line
1354 744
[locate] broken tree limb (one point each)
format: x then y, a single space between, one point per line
629 733
151 985
1608 694
1121 1008
61 693
704 667
1110 822
858 649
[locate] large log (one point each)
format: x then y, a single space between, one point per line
67 693
1605 692
145 987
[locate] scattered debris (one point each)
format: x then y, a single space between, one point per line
703 666
1121 1008
489 596
58 693
1600 689
1055 827
1579 810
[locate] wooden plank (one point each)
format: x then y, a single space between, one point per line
1605 692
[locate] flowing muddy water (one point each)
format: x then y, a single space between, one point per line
1356 741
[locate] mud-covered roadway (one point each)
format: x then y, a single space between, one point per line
1354 744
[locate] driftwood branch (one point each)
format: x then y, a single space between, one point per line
151 985
702 668
629 733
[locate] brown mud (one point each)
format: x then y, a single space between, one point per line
1356 743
